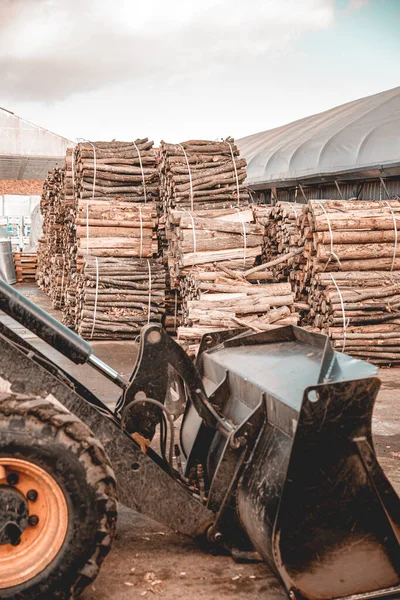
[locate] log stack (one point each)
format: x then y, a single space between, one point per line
115 189
173 309
281 235
351 275
115 297
201 184
197 240
215 300
262 213
199 173
50 252
69 263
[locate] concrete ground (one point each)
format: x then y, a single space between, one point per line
149 559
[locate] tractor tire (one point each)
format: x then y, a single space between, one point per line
58 478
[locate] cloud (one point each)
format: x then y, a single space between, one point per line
52 49
355 5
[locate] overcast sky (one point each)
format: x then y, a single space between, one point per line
180 69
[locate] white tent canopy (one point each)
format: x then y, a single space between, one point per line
21 205
357 139
28 151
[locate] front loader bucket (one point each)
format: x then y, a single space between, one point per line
333 528
312 497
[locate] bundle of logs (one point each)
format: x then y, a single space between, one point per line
25 266
51 272
215 300
197 239
201 185
350 275
102 204
69 253
173 309
115 297
114 211
115 190
281 237
198 173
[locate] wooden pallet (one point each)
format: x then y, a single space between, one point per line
25 266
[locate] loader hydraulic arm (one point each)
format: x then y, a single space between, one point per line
149 379
53 332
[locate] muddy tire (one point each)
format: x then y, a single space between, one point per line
58 478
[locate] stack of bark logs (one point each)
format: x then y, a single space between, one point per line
351 275
51 249
173 309
281 237
102 204
116 189
69 263
198 173
202 191
215 300
202 238
117 297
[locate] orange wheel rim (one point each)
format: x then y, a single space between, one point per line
40 543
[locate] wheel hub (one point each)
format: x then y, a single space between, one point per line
33 520
13 515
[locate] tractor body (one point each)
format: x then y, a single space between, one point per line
276 446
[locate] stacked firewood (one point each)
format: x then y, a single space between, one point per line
115 297
201 185
215 300
50 253
54 256
198 173
69 263
173 310
281 236
351 275
202 238
261 213
116 187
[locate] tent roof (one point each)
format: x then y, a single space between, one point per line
357 139
28 151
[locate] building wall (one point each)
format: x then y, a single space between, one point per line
367 190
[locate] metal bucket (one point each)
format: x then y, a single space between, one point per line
7 268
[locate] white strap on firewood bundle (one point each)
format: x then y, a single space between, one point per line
236 174
95 297
331 252
395 234
346 321
244 237
190 176
141 168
